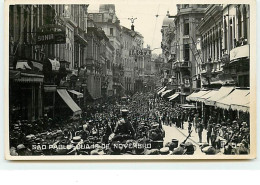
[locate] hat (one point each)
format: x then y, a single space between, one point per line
30 137
76 139
152 152
20 147
124 111
178 151
209 150
164 151
244 124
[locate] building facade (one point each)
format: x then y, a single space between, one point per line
107 20
180 45
46 44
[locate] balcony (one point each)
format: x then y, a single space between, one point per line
80 37
181 65
239 53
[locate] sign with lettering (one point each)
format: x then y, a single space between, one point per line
58 37
135 52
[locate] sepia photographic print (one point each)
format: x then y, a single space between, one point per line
150 80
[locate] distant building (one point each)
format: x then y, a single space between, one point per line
107 20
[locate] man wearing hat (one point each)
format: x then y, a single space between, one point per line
124 126
200 129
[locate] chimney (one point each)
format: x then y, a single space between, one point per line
132 27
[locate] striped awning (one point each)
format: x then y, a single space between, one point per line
222 93
206 96
174 96
239 97
194 96
69 101
163 89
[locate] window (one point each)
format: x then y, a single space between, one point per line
244 22
90 16
99 18
231 33
186 28
225 34
111 32
239 28
186 52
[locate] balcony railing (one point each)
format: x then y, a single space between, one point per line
182 65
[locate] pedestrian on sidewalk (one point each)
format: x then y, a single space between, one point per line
209 131
200 129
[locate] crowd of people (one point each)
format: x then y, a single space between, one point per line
127 126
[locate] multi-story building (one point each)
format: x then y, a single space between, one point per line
209 47
107 20
96 60
236 42
181 42
139 62
128 61
46 42
109 62
224 46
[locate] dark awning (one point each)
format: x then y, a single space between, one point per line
14 74
69 101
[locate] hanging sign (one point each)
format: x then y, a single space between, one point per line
140 52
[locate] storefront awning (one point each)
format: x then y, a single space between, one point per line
78 94
222 93
206 96
174 96
196 95
244 105
69 101
237 97
55 64
165 92
163 89
22 64
14 74
158 89
188 106
30 78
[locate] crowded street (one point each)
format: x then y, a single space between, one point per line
131 126
88 79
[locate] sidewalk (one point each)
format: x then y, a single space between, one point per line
194 136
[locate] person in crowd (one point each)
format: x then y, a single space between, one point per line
200 129
124 126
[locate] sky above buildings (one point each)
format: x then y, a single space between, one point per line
146 23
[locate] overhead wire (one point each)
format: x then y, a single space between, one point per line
155 23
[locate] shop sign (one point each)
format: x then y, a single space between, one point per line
140 52
57 37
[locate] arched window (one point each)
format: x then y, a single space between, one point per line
244 22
